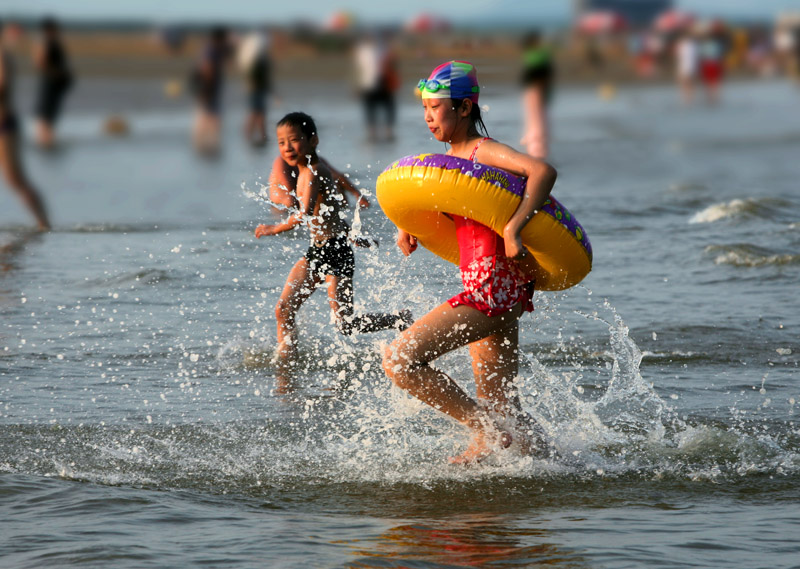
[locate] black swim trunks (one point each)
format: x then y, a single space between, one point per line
9 125
333 256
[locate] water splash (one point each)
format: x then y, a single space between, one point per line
216 421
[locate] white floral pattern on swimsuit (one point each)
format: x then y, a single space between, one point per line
494 284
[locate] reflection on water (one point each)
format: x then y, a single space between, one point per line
480 540
12 246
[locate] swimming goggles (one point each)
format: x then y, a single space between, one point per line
431 85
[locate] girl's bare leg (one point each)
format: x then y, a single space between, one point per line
11 165
442 330
44 134
495 362
536 135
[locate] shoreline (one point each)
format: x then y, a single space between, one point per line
141 54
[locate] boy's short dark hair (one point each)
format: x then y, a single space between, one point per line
302 121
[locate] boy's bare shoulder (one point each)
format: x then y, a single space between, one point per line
324 176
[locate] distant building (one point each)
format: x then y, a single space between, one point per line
636 12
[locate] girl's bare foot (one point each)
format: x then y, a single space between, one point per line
482 446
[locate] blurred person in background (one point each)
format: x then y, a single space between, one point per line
10 162
796 55
254 63
686 64
538 73
759 54
712 56
206 83
55 80
785 41
377 80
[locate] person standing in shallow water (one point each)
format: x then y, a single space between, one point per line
538 72
10 161
497 288
55 81
206 82
256 66
330 257
378 79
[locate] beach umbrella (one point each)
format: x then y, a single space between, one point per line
673 20
424 23
601 22
340 22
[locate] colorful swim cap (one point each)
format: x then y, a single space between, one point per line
451 80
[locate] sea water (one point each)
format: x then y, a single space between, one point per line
142 423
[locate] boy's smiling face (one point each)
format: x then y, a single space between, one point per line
294 146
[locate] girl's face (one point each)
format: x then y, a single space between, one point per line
441 118
293 145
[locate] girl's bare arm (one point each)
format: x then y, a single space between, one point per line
541 178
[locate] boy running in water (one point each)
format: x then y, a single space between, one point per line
330 257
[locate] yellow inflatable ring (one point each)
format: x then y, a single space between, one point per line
416 192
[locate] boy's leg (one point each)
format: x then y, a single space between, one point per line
300 284
340 297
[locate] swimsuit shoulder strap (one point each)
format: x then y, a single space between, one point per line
475 150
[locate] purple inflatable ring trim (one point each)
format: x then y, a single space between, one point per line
501 179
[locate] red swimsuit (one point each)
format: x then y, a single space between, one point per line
493 283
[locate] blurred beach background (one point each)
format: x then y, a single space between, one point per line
141 424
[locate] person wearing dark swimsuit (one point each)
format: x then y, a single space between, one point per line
10 162
55 81
330 259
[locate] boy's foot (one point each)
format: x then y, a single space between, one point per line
482 447
530 436
406 320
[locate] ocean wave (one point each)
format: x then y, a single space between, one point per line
746 255
249 440
117 228
107 228
143 276
738 208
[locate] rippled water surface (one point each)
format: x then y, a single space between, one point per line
141 424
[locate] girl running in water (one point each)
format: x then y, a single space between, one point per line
496 289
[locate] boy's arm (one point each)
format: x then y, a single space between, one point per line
347 186
308 194
282 185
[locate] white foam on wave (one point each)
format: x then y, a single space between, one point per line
727 210
749 256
